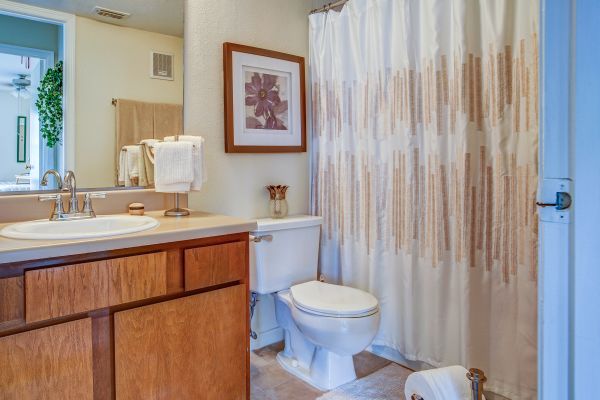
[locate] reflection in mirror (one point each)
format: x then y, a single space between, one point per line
128 91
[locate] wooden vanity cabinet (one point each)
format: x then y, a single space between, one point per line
167 321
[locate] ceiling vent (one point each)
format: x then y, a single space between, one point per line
105 12
161 65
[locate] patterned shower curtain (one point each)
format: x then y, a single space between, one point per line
425 141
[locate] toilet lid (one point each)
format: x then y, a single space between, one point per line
333 300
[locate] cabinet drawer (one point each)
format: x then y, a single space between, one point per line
60 291
214 265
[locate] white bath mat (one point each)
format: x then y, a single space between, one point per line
385 384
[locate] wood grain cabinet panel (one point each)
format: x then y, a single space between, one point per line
137 278
190 348
214 265
60 291
12 302
48 363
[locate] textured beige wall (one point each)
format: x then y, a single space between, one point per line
113 61
236 181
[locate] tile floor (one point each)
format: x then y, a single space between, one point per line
268 381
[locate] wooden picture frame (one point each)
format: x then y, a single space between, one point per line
265 100
21 139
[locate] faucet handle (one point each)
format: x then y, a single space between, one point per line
57 209
49 197
87 202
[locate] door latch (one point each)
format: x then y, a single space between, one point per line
563 201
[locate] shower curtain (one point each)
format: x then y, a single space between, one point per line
424 167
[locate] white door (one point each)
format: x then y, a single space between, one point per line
585 162
569 291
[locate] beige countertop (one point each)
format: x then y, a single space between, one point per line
197 225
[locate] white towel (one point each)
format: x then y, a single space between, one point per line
200 175
128 164
448 383
173 167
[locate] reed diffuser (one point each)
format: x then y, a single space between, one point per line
278 207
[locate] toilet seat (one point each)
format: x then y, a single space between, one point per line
329 300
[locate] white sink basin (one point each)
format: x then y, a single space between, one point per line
109 225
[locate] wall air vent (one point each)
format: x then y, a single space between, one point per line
161 65
105 12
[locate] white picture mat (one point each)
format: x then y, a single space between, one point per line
265 137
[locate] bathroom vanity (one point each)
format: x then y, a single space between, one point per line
160 314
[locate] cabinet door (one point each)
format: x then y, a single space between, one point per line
190 348
48 363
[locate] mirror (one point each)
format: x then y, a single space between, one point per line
89 89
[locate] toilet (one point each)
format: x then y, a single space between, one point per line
324 324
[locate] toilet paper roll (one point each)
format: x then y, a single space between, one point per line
448 383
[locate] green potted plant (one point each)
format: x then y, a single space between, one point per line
50 106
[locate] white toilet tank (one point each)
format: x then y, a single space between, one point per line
286 254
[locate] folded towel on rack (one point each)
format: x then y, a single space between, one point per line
173 167
448 383
149 142
200 175
128 165
146 162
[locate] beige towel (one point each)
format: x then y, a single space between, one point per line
168 120
199 160
134 122
146 162
173 167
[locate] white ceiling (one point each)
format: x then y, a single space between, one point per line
163 16
11 67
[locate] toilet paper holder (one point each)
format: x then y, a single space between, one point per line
477 378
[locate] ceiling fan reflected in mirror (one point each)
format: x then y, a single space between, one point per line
18 86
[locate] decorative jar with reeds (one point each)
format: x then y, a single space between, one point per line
278 207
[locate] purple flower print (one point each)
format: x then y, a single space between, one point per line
260 93
263 95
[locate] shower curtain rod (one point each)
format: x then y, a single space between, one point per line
329 6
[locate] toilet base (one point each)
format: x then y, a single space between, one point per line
327 370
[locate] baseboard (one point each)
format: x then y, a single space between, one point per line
395 356
266 338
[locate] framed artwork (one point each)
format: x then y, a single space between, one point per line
21 139
265 109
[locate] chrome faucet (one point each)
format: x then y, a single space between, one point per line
71 184
73 212
59 181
